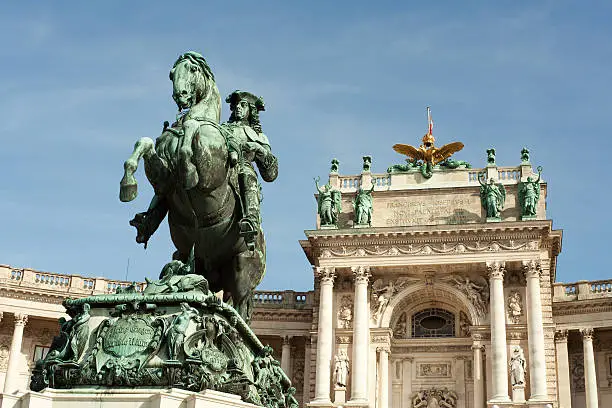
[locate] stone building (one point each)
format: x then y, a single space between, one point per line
430 305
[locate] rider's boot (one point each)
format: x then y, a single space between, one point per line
249 224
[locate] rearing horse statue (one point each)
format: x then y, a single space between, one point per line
196 186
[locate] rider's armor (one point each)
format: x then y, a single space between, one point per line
241 156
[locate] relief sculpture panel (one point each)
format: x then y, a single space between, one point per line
433 369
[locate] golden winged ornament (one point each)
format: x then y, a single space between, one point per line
427 152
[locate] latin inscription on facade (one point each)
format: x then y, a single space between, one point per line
433 370
429 210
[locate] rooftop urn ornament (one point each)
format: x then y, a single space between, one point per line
335 165
367 163
491 157
524 155
428 153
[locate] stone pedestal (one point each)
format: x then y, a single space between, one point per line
518 393
121 398
339 395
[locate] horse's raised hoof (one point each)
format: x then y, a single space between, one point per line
128 188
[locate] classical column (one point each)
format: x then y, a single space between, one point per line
324 336
286 355
383 375
499 352
590 379
306 391
407 382
477 372
11 381
535 331
563 370
361 337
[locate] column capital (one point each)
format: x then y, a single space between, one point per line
561 336
21 319
361 274
383 349
326 274
408 359
496 269
587 333
532 268
286 340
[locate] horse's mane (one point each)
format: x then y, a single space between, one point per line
206 87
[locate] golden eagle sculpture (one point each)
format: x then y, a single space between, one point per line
428 153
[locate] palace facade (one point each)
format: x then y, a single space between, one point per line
431 305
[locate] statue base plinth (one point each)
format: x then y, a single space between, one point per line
123 397
180 341
339 395
329 227
361 226
529 217
493 219
518 393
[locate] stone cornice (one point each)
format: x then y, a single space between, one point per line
432 240
578 307
533 228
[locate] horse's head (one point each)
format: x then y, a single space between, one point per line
194 82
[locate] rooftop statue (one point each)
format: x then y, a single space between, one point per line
427 152
204 181
529 195
492 197
329 203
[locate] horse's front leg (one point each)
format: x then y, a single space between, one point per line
128 186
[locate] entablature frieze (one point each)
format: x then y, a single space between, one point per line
325 247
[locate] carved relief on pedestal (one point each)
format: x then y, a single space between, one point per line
476 291
434 398
515 306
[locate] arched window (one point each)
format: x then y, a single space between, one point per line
433 323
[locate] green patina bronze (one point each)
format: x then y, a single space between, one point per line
329 204
184 337
528 195
177 333
335 165
363 206
204 181
491 157
524 155
492 197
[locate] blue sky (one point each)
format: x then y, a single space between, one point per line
79 84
